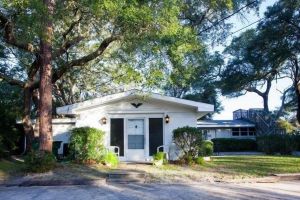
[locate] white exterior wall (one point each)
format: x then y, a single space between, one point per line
223 133
219 133
61 132
179 116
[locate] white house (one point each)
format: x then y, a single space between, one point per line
236 128
135 122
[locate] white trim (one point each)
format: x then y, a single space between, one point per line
144 150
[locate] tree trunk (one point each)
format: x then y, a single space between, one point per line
266 103
45 107
26 120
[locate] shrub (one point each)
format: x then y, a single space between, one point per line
206 148
188 140
39 161
160 158
286 125
86 144
271 144
110 159
190 160
233 144
200 160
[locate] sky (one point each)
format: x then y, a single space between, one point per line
250 100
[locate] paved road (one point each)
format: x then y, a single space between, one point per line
282 190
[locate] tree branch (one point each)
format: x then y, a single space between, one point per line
72 26
66 45
9 35
252 89
85 59
11 81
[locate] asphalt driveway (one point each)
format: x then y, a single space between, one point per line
281 190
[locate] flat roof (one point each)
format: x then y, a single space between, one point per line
224 123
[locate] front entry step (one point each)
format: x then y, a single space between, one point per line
125 177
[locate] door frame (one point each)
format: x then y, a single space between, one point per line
137 115
126 136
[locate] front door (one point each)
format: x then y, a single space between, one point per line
135 140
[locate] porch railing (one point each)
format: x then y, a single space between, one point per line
114 149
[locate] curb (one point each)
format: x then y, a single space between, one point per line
273 178
97 182
30 183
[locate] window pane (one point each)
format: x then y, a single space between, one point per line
244 133
135 141
235 131
244 129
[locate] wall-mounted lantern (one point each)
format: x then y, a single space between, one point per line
103 120
167 119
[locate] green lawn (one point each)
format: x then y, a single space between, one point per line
220 168
255 165
9 168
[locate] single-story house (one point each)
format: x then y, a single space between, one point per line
135 123
236 128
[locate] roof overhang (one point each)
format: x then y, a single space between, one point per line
89 104
224 124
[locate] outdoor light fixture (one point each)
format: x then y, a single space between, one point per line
103 120
167 118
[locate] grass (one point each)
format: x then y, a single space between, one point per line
220 168
9 168
255 165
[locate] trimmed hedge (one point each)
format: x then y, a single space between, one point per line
86 144
233 144
283 144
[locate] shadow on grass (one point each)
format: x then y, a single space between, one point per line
10 168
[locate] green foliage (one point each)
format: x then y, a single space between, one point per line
189 160
10 110
160 157
206 148
188 140
39 161
234 144
286 125
259 56
200 160
110 159
272 144
86 144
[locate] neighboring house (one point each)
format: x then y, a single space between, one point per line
227 128
136 123
245 124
